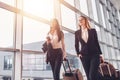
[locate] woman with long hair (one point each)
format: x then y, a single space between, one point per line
57 54
90 52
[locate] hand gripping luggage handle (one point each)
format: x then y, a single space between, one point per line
67 64
108 70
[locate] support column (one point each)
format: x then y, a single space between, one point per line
19 31
57 11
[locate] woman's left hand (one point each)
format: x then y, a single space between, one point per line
64 56
101 59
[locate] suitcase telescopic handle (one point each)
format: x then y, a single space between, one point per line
67 64
108 67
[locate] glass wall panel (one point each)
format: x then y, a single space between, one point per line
111 17
94 10
115 41
6 66
103 1
113 53
35 67
119 65
118 43
115 64
103 35
6 28
69 42
84 7
106 52
110 39
102 15
117 31
108 5
118 55
113 29
34 34
9 2
109 53
71 2
108 14
98 29
109 26
38 8
68 18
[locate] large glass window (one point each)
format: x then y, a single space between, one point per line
109 53
94 10
113 53
6 65
10 2
107 38
113 29
115 64
68 18
70 2
84 7
106 52
8 62
110 39
69 42
98 32
34 66
34 34
118 43
102 15
6 28
117 31
118 65
108 14
108 4
34 62
117 54
103 35
115 41
111 17
113 10
41 8
109 26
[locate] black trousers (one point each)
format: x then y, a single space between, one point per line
55 62
91 65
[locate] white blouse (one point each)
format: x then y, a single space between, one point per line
54 40
85 35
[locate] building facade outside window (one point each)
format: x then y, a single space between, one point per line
8 62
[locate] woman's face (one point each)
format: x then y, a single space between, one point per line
82 21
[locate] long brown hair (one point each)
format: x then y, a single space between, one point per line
54 23
86 22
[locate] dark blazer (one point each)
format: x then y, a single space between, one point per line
47 48
91 47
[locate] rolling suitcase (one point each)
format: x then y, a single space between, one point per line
107 71
71 74
118 74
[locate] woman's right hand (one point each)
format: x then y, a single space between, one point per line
48 39
79 55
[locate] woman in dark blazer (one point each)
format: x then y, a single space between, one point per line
90 52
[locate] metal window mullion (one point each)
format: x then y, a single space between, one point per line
18 38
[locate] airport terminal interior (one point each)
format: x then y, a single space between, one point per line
24 25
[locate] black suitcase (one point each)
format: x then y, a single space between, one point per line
71 74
